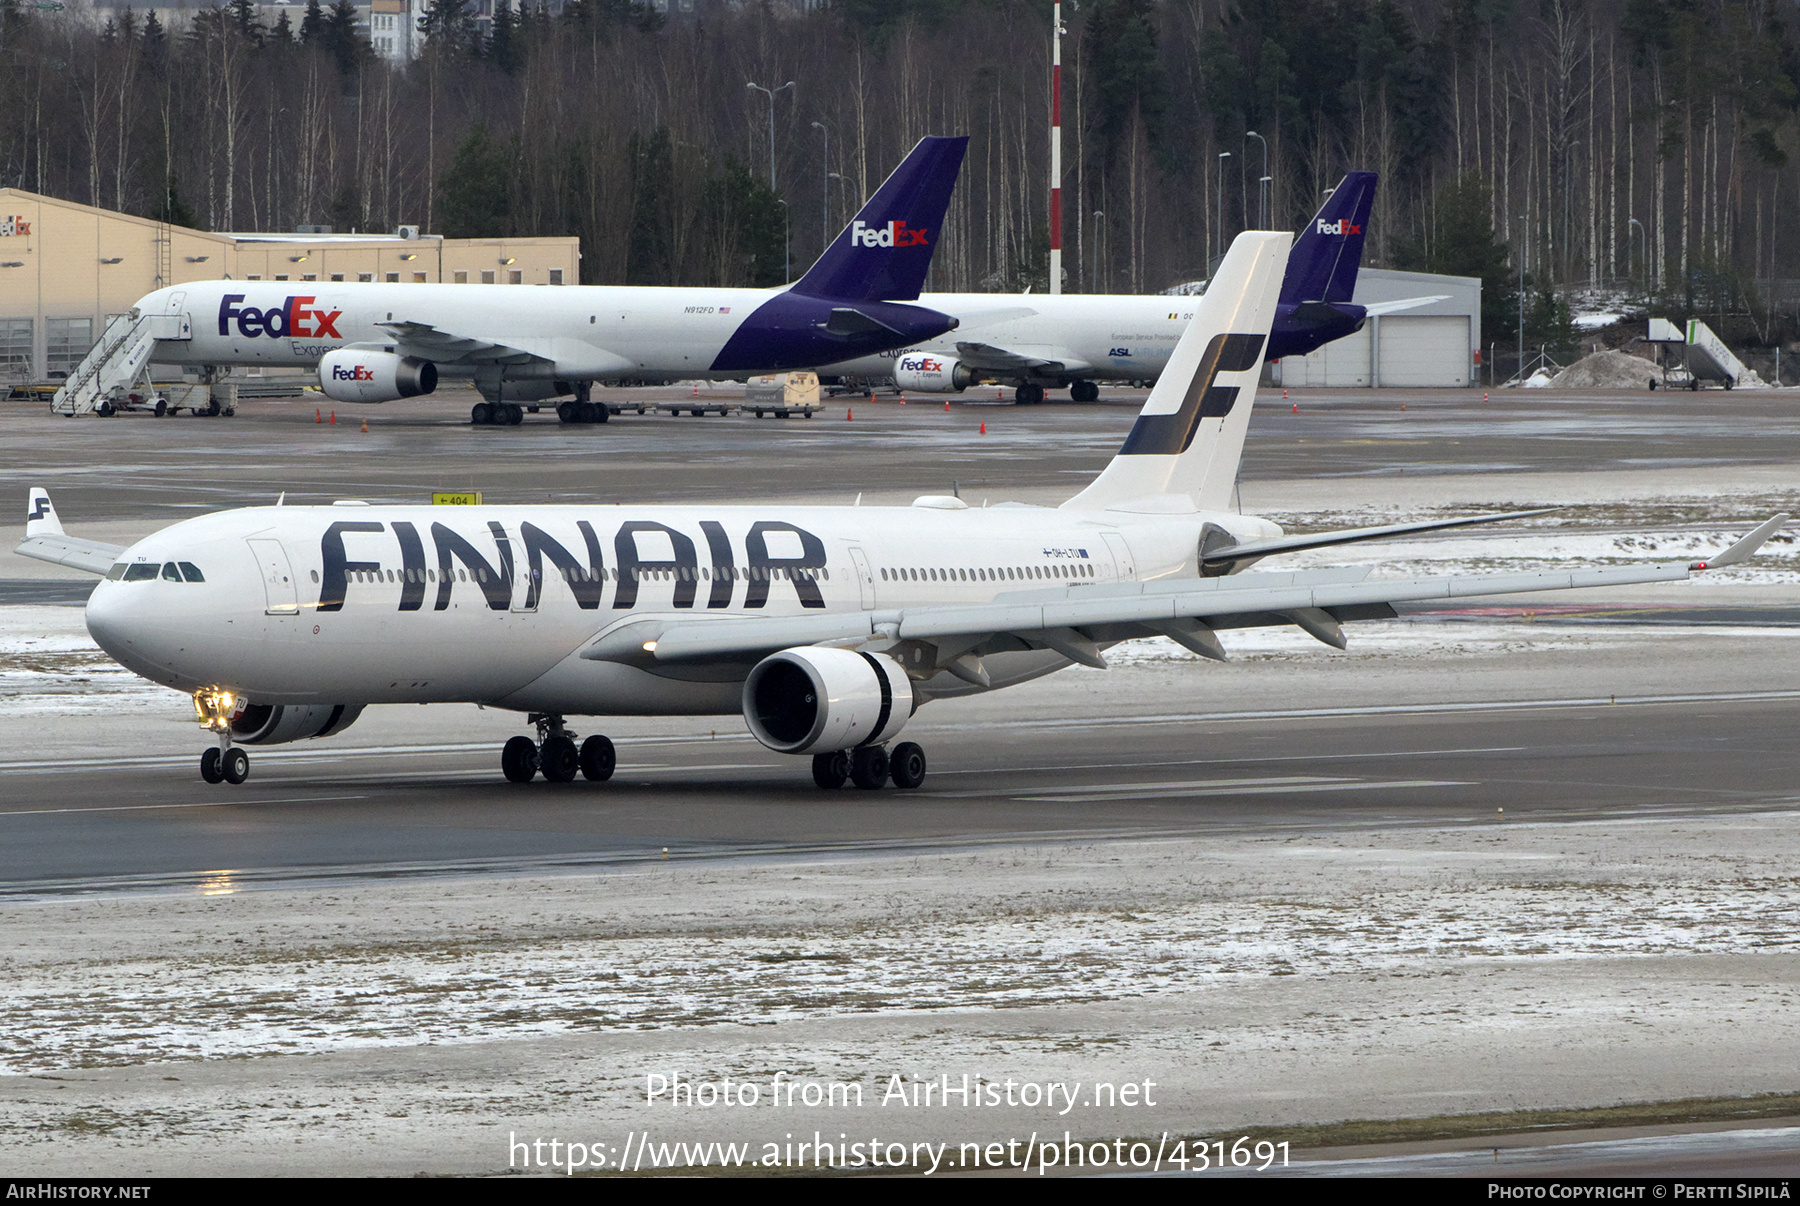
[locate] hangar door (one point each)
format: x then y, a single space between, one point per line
1425 350
1342 362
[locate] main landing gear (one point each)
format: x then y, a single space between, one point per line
582 412
556 755
496 414
870 766
224 762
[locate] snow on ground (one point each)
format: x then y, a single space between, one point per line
127 981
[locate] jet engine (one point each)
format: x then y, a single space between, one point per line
349 375
812 699
925 373
275 724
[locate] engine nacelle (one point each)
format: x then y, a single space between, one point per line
925 373
349 375
276 724
810 699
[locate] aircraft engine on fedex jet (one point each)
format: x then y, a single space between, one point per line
810 698
924 372
360 375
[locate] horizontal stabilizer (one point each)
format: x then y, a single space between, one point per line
88 555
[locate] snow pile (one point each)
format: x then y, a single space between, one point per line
1537 380
1597 322
1607 370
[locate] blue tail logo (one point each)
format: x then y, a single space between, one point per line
884 253
1323 263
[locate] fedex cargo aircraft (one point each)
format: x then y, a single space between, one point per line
378 342
1075 341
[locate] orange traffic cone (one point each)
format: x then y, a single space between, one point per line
1296 408
903 399
318 415
984 428
334 418
696 389
1284 395
848 416
946 404
365 427
1403 406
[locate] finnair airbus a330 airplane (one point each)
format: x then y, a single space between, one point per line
379 342
827 628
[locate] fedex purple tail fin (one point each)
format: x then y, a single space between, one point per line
885 251
1327 253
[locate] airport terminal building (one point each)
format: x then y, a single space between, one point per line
66 269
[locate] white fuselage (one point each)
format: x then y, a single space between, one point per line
1125 337
362 604
582 332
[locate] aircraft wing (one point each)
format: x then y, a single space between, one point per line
89 555
1377 309
446 347
1076 621
1224 554
1029 358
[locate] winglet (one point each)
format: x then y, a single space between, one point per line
885 251
40 516
1744 549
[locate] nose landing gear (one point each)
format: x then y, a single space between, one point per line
556 755
224 762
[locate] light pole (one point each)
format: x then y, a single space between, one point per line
787 242
1223 156
1098 218
1645 236
824 192
1521 255
770 93
1265 185
1248 135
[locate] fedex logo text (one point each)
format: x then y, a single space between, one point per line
922 364
341 372
291 318
1343 226
14 224
894 234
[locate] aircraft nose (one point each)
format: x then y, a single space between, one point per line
127 631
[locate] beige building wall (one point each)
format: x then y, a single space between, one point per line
65 269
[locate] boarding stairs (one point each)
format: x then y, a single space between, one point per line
1694 355
117 365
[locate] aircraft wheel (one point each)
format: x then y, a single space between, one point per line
162 408
234 764
1028 394
869 767
515 414
1694 385
481 414
1084 391
568 412
519 760
598 759
830 770
559 760
103 408
599 411
209 766
906 765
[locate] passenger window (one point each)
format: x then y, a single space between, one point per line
141 572
191 572
116 572
171 573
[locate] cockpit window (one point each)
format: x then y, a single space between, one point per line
141 572
191 572
116 572
171 573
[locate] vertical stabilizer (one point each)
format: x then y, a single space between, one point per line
884 253
40 516
1187 439
1326 255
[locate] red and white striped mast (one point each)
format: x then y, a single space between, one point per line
1056 148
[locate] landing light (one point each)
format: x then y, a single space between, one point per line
649 646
